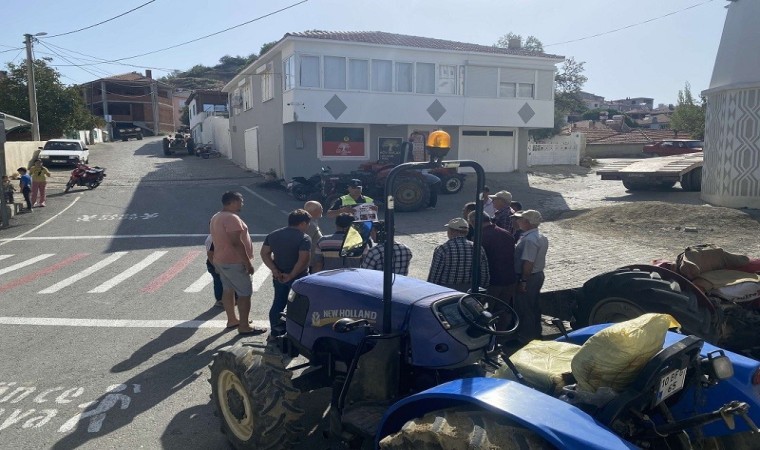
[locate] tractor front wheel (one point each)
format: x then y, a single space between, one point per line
451 184
253 394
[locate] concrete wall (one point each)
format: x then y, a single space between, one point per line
20 154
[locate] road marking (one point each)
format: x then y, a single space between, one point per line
5 241
2 257
28 262
258 196
40 273
123 236
86 272
153 257
120 323
200 283
260 276
171 272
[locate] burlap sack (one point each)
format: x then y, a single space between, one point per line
698 259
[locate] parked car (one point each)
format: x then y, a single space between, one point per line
127 131
64 151
673 147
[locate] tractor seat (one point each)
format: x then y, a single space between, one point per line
544 365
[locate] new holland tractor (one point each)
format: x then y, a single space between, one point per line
406 363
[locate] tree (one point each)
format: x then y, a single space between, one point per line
689 115
265 47
184 117
531 43
59 108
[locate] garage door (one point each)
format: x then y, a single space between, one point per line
493 149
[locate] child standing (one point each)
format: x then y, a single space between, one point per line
40 175
8 190
25 184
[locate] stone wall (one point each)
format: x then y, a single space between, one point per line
731 172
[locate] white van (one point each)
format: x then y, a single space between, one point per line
64 151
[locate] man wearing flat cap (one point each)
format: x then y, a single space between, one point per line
350 203
502 218
452 261
530 259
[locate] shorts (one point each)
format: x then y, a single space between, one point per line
235 277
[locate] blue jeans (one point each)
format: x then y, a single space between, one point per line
217 281
281 292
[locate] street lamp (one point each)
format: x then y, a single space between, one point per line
28 39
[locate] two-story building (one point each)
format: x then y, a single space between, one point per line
335 98
202 104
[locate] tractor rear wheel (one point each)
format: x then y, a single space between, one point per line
411 194
253 394
692 181
460 428
190 146
165 145
613 310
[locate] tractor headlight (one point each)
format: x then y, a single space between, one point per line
121 130
718 365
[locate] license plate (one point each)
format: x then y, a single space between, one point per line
59 161
670 384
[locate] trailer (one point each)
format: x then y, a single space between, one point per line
657 173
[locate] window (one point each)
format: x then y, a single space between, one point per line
358 74
447 79
335 72
501 133
508 90
267 85
525 90
425 78
382 75
247 97
404 77
289 73
343 143
309 73
474 133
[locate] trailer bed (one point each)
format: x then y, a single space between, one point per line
658 169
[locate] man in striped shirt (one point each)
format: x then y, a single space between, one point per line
452 261
402 256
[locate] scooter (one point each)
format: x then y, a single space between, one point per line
302 188
85 175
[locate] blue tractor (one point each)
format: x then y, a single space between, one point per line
406 364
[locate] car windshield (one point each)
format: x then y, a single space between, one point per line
57 145
694 144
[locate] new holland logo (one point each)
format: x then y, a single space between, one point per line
330 316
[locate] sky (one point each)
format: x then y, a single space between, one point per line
646 58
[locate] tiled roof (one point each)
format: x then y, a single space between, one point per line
132 76
635 136
402 40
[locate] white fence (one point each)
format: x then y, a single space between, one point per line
216 130
560 150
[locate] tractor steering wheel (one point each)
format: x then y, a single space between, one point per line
474 309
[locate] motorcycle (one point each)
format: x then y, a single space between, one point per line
85 175
301 188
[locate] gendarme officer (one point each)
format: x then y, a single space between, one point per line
349 202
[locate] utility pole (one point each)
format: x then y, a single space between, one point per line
154 104
32 87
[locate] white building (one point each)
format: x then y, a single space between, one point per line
335 98
731 172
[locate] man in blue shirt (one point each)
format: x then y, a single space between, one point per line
25 184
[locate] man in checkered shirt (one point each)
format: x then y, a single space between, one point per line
452 261
402 256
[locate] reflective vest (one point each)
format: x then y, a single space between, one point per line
347 200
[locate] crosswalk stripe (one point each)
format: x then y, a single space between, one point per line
120 323
153 257
28 262
171 272
260 276
86 272
40 273
2 257
200 283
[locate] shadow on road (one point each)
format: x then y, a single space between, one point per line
161 380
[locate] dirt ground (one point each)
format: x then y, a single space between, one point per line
668 225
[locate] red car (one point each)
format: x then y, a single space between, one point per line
673 147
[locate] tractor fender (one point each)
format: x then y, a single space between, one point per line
559 423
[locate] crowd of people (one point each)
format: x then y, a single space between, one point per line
511 265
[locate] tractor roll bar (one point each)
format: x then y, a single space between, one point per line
391 232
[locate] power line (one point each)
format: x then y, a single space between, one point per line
11 50
101 23
66 59
105 61
203 37
632 25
